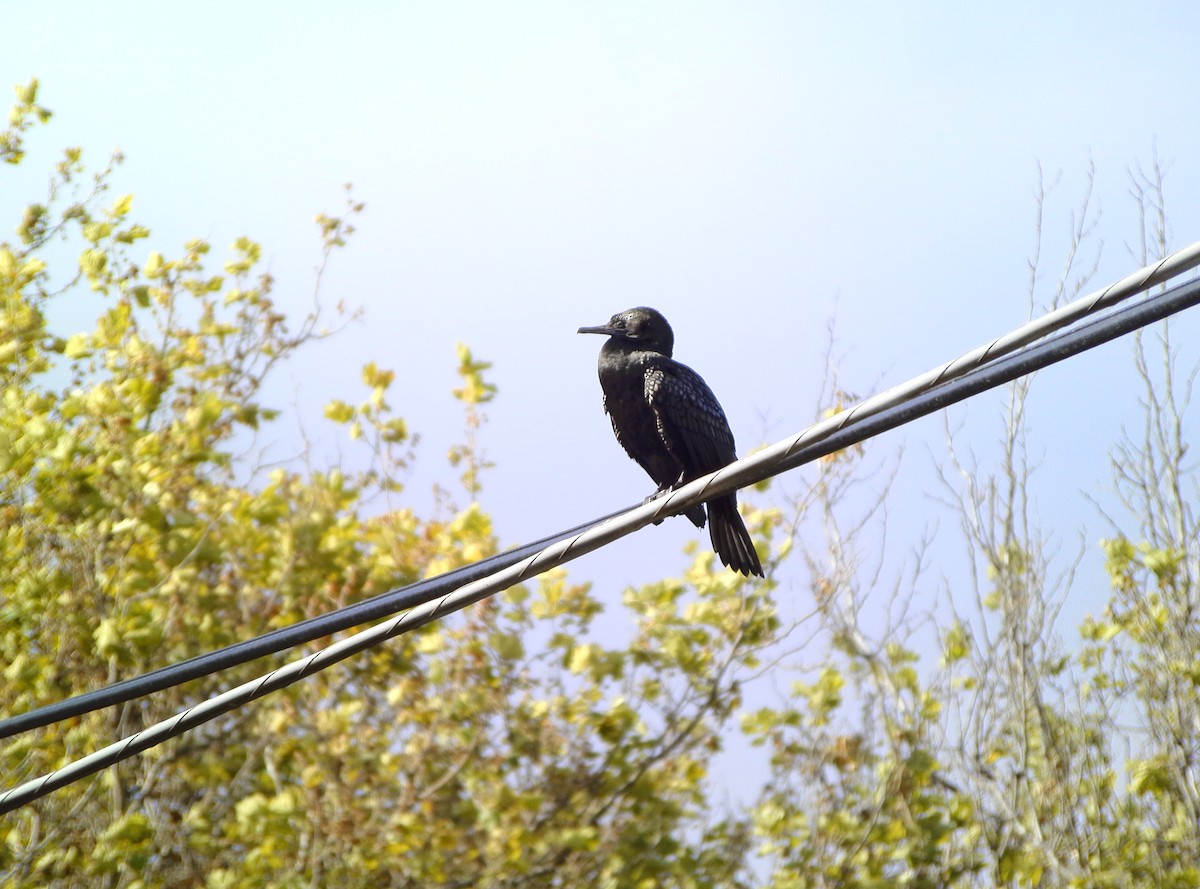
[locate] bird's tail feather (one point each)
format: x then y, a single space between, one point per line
730 539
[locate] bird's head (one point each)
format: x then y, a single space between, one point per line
640 328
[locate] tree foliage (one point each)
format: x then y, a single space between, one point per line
524 743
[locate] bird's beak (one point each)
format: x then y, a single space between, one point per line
607 331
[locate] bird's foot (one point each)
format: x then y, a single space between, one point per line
661 492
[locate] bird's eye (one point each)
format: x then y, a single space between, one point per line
618 323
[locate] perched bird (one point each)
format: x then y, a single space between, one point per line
669 421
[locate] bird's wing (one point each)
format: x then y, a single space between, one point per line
690 419
612 418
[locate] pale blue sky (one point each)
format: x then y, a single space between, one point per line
751 169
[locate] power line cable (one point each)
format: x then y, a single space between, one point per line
366 611
819 440
394 601
1144 278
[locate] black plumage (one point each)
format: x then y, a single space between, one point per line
669 421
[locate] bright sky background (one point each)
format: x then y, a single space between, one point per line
753 170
